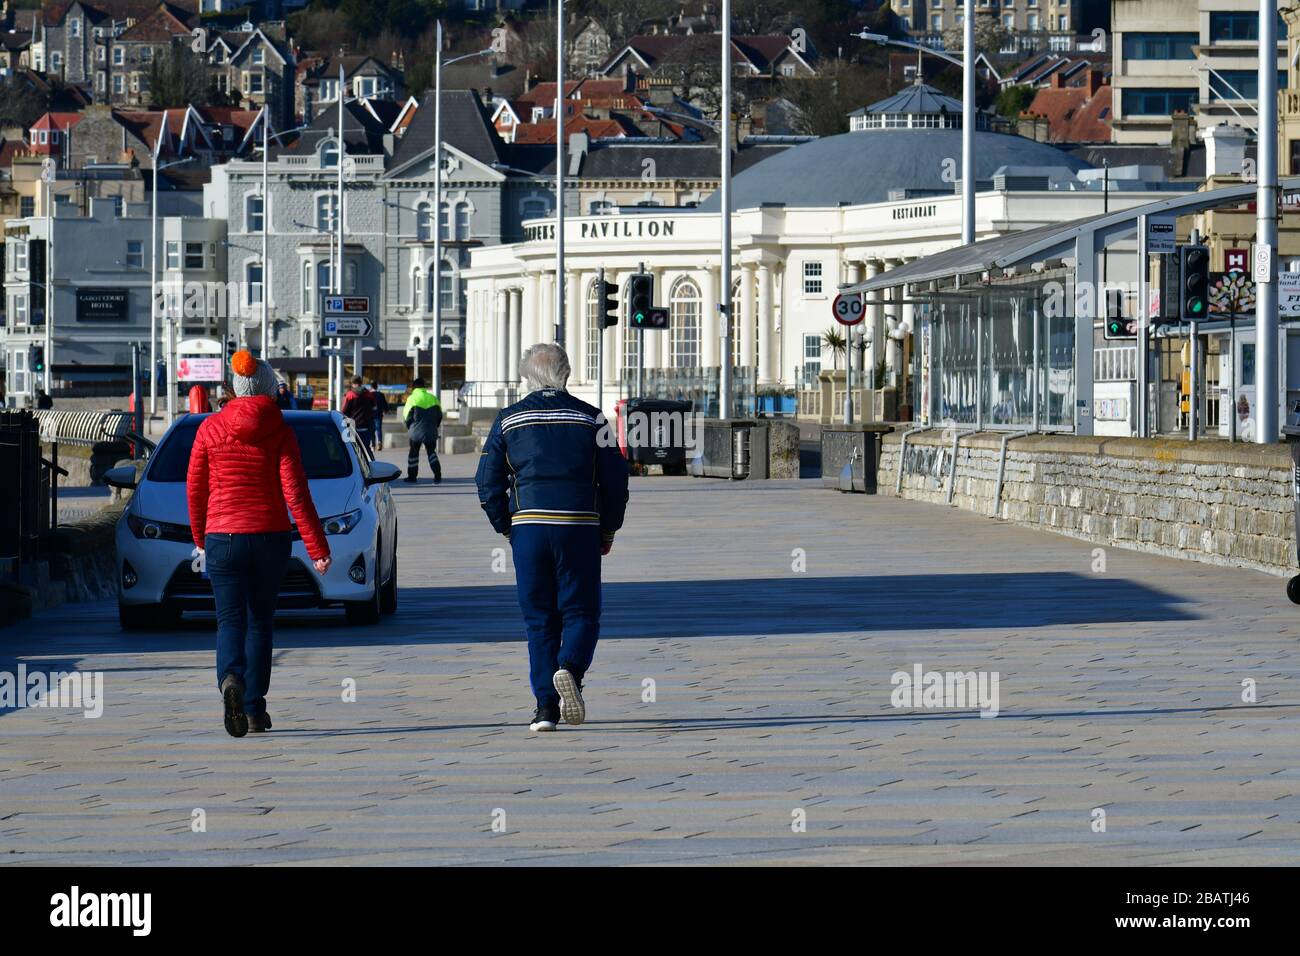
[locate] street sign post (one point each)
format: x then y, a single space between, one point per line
848 311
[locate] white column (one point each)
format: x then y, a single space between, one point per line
874 321
532 310
903 313
516 332
747 354
709 319
573 308
544 326
501 335
766 325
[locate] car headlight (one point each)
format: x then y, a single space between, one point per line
342 524
152 530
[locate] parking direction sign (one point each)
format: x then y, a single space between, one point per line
347 305
847 309
346 326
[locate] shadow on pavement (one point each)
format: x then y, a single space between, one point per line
736 607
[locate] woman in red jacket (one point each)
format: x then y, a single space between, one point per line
244 469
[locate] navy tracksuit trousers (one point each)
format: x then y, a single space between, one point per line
557 575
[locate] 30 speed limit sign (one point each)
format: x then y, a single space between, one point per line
847 309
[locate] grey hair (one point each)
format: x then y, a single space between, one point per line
544 365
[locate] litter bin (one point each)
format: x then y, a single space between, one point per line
652 431
1292 432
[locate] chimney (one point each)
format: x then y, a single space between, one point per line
1096 80
1180 140
1225 150
1058 80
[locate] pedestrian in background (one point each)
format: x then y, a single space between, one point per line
283 397
245 469
552 480
359 405
381 409
422 413
198 401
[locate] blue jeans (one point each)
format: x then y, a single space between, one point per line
246 571
557 575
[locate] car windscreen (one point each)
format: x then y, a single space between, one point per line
324 454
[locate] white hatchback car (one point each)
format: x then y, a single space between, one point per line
156 574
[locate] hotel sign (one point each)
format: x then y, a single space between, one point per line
102 305
631 227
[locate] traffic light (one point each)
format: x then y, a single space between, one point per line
608 303
1117 326
640 300
1193 282
38 359
655 317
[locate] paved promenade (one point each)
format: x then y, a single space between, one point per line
1120 691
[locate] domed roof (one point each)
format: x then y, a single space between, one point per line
916 98
865 167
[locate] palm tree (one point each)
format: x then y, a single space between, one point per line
833 341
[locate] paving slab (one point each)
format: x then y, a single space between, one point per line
767 619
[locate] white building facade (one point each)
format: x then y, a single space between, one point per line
787 264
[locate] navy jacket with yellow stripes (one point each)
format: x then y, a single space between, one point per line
552 459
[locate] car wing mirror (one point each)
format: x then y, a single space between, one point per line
123 476
382 471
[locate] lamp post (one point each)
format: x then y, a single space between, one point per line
725 408
1266 213
48 175
967 63
436 277
559 172
153 281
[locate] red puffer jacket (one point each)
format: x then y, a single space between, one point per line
244 468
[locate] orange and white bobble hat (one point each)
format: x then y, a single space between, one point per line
250 376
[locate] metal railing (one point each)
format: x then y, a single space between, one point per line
488 394
31 485
82 428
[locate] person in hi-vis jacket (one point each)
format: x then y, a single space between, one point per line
552 480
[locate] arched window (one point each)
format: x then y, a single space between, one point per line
322 279
685 305
444 223
448 283
631 345
462 221
593 330
417 283
329 154
308 305
534 207
424 222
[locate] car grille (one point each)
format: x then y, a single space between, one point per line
297 588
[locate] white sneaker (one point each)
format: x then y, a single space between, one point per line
572 709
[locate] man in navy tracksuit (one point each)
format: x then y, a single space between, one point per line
552 480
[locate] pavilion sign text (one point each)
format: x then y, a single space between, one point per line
611 228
